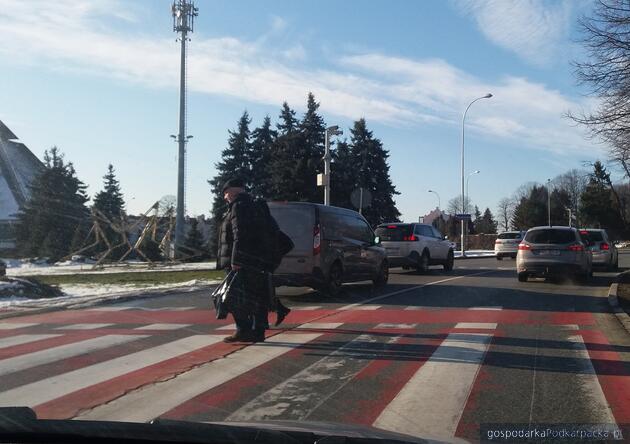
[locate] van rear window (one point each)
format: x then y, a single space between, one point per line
394 233
550 236
297 222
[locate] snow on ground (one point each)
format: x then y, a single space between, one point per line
26 267
88 294
475 253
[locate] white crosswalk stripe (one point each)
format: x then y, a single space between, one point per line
150 402
56 386
60 352
23 339
82 326
163 326
432 401
15 325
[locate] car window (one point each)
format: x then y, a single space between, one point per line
393 233
436 233
596 236
510 235
424 230
357 229
550 236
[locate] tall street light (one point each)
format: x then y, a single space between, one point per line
467 181
487 96
549 201
438 196
330 131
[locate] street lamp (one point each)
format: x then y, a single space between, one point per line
330 131
487 96
438 196
467 187
549 201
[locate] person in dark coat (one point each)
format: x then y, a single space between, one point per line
241 249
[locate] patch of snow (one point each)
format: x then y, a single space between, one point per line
26 267
476 253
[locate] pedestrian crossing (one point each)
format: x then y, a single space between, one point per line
413 371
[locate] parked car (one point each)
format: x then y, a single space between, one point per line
414 245
332 246
553 251
605 253
506 244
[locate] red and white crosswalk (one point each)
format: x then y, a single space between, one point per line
414 370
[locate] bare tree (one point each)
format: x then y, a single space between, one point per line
455 205
504 212
574 183
606 38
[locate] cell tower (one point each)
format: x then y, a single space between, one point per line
184 13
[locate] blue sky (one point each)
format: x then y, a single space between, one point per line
99 79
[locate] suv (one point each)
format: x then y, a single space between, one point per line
551 251
331 246
415 246
605 253
507 244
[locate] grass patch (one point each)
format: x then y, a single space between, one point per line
134 278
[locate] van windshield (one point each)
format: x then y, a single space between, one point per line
394 233
297 223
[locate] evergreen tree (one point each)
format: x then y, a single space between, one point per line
261 156
288 123
110 203
194 242
235 163
531 210
313 130
599 207
486 223
48 222
373 175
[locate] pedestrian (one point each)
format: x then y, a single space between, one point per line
242 250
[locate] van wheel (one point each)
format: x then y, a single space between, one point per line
383 275
333 286
423 263
450 259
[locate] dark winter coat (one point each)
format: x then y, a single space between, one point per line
241 239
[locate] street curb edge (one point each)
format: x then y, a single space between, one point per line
620 313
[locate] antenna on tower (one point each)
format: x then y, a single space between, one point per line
184 13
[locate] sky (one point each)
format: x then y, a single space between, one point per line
100 80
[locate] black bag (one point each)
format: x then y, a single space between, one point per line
223 295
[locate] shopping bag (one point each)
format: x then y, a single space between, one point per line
221 296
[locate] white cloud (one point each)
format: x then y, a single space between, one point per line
533 29
392 90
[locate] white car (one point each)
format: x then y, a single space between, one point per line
507 244
414 245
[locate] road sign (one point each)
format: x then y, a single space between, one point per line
463 216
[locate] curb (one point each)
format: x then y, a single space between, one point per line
620 313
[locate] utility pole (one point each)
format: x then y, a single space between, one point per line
549 201
184 13
330 131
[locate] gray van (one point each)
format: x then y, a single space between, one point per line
332 246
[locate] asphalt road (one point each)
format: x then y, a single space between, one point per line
435 355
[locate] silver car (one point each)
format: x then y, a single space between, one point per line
605 253
553 251
506 244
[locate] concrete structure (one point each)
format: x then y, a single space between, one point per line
18 168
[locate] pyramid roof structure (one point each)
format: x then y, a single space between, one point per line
18 167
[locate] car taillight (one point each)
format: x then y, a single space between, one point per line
392 227
524 247
410 238
317 240
604 246
576 248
